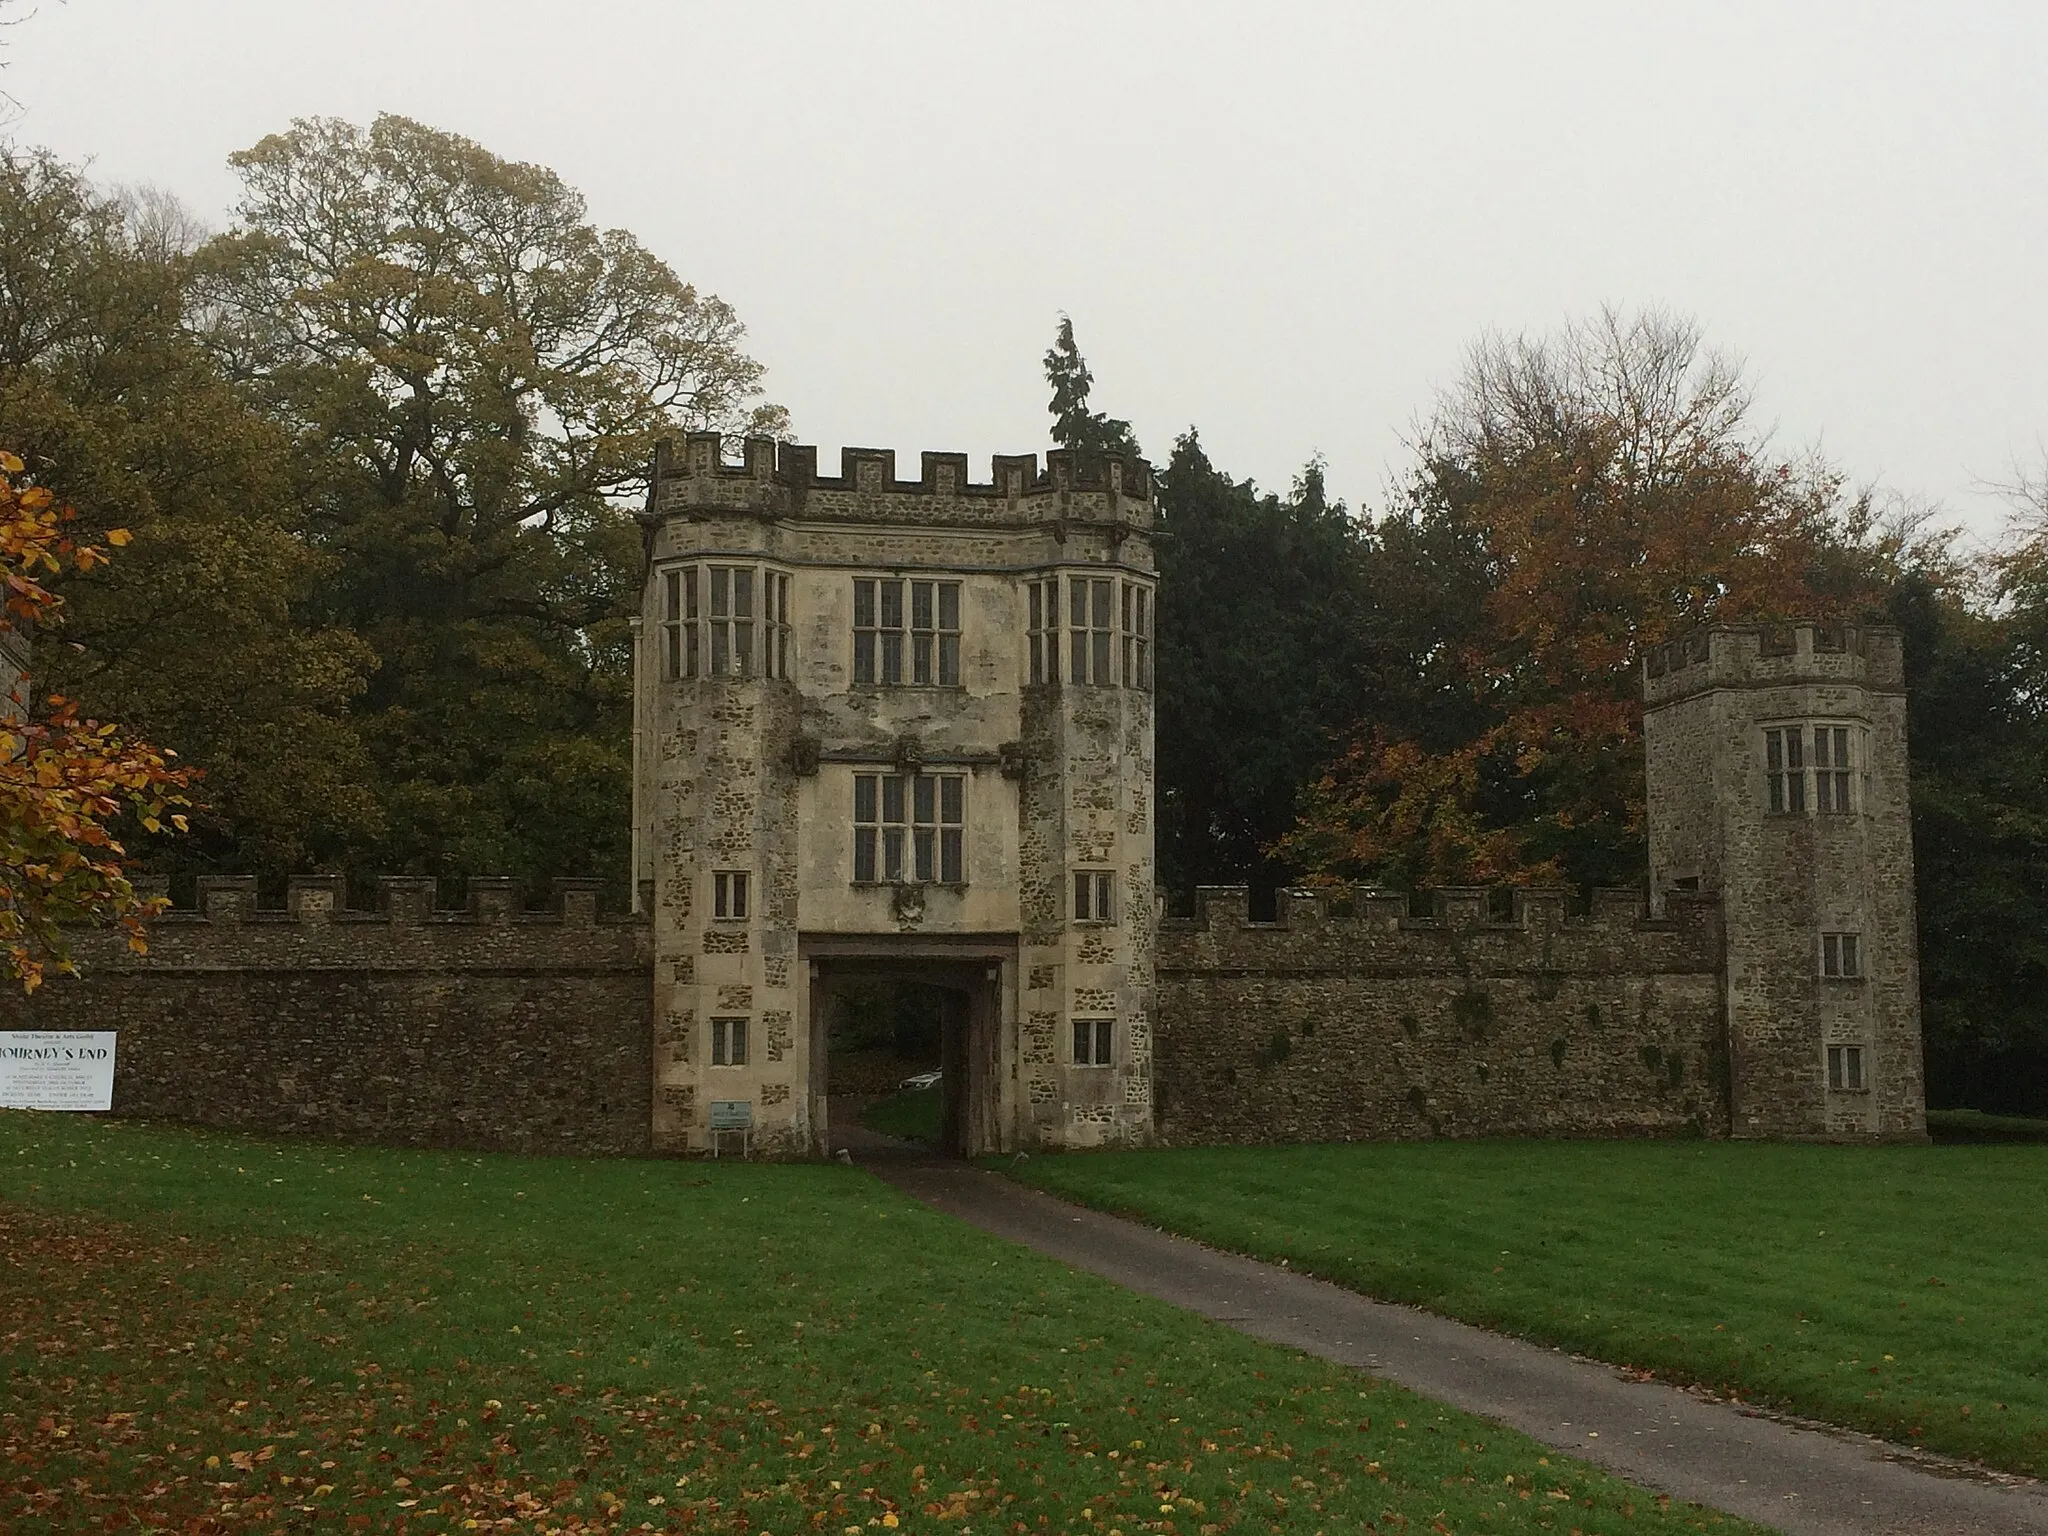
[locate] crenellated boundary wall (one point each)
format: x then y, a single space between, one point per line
1349 1018
487 1028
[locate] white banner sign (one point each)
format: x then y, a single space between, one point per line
56 1069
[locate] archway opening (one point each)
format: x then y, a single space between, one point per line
905 1047
885 1060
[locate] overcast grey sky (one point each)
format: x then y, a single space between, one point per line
1281 223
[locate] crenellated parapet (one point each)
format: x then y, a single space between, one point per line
315 930
401 899
1330 929
1870 656
781 480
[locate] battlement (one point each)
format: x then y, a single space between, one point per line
1376 931
1765 655
401 900
315 931
775 479
1227 908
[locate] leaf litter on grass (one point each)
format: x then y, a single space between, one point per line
220 1380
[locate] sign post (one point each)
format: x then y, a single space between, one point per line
56 1069
729 1115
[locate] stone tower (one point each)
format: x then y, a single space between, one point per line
897 729
1776 760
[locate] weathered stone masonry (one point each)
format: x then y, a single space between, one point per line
1838 863
488 1028
747 771
1348 1019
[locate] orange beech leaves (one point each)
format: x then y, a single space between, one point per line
64 781
1615 510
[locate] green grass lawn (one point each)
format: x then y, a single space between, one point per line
1901 1290
1959 1125
916 1114
209 1333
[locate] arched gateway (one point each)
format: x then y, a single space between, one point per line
903 727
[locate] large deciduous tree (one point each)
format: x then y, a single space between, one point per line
1613 491
474 376
196 639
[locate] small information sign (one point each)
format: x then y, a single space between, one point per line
728 1115
56 1069
732 1114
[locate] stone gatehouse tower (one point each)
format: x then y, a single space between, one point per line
890 728
1778 781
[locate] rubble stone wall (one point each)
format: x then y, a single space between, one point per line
489 1029
1349 1019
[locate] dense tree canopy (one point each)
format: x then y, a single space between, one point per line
1266 647
376 443
1977 696
1612 492
197 639
472 377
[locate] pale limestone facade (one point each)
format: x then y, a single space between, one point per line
875 736
1777 775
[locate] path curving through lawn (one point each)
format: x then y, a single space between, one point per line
1808 1481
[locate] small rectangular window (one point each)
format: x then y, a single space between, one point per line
1845 1068
866 816
877 632
1088 629
679 621
1137 628
731 620
1831 769
1785 767
775 624
863 633
1841 955
952 829
909 828
728 1042
1042 626
893 618
1091 895
935 633
895 815
1094 1041
729 893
